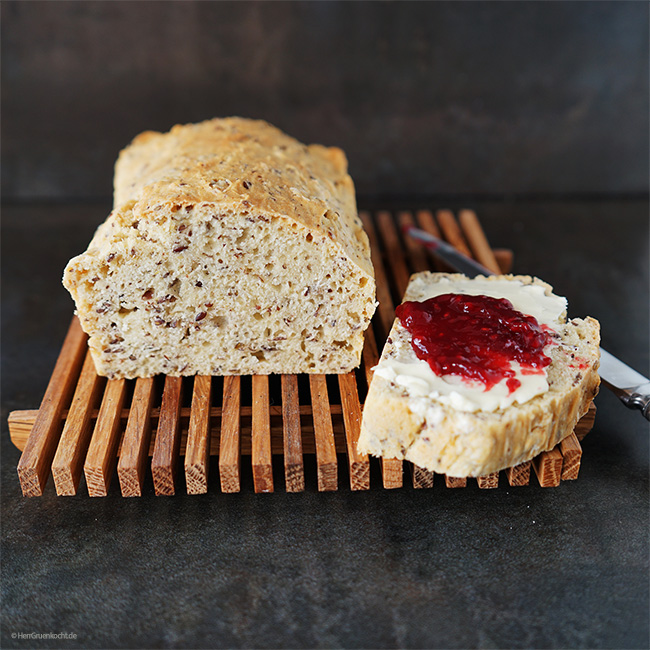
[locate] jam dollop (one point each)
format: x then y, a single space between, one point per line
475 337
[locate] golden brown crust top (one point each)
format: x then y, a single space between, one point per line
241 162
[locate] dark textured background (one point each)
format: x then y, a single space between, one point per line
426 98
533 114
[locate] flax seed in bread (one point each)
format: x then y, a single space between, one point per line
232 248
444 432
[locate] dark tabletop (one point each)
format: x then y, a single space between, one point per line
511 567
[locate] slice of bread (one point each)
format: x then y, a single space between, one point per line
231 249
445 434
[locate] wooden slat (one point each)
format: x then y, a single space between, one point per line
166 449
489 481
68 462
422 478
22 421
294 471
519 474
137 436
504 259
477 240
394 252
197 451
392 473
229 453
261 457
326 462
455 482
451 231
391 468
571 455
102 453
548 467
417 253
427 222
358 463
35 462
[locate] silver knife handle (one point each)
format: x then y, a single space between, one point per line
637 397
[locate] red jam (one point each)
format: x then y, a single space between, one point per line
475 338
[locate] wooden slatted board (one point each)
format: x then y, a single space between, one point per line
88 425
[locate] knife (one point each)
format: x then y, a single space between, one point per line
630 386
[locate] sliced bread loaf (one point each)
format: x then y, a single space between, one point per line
231 249
456 426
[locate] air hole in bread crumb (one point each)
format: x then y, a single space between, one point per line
242 237
259 355
257 316
309 237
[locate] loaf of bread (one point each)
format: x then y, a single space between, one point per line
231 249
459 427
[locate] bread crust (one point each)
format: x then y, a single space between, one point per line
462 444
213 161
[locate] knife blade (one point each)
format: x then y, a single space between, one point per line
471 268
630 386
